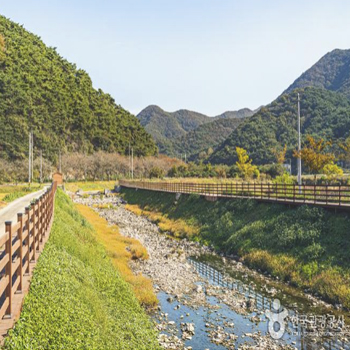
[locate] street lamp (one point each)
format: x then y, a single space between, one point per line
299 145
131 159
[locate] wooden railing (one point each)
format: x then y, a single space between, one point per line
20 244
321 195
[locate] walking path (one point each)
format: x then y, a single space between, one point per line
9 213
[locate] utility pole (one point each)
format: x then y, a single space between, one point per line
41 166
129 161
30 158
299 146
132 162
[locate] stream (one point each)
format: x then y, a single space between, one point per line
246 327
207 301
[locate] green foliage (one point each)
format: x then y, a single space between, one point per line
331 72
77 299
273 170
156 172
284 179
244 164
332 170
305 245
15 192
42 91
324 114
186 132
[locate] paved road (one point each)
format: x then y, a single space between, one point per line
9 213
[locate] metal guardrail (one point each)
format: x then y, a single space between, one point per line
321 195
19 245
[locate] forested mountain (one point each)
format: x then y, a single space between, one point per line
199 143
165 126
331 72
241 113
185 131
323 113
42 91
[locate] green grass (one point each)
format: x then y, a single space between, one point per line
77 299
307 246
9 193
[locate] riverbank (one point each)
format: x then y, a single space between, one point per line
77 298
305 246
193 313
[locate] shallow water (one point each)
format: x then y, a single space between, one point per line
251 286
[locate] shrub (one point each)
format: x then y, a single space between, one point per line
156 172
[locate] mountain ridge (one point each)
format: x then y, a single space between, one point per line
43 92
323 114
330 72
170 129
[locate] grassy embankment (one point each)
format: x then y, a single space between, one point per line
78 299
9 193
304 245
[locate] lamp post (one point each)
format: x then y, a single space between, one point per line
299 145
131 158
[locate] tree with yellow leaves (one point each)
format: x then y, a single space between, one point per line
280 154
244 164
332 170
314 154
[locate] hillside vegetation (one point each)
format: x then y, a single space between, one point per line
323 114
196 143
188 132
305 245
77 298
42 91
331 72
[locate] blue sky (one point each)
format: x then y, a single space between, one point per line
204 55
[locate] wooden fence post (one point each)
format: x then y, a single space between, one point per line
8 269
34 232
20 237
27 213
40 220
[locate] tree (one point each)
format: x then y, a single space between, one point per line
220 171
314 154
244 164
210 151
280 154
156 172
332 170
345 148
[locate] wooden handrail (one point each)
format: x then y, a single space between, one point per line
21 240
321 195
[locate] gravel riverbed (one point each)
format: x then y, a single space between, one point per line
171 272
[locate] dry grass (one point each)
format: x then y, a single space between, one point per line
177 228
121 250
2 203
89 185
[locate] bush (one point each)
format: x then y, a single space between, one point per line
156 172
272 170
